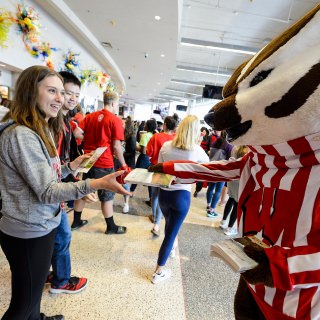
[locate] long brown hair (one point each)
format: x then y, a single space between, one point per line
25 111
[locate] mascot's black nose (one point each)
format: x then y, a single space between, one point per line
223 115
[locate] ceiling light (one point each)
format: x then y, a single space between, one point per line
215 72
187 83
185 92
162 55
157 17
218 46
2 65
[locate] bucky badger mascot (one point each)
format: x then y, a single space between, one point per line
272 105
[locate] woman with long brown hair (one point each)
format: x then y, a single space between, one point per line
31 187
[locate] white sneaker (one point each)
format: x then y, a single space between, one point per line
223 224
125 208
164 275
173 250
231 232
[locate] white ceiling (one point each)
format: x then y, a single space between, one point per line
130 28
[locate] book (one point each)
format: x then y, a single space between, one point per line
231 251
87 164
144 177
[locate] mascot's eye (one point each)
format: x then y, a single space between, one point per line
260 77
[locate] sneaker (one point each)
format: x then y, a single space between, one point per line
74 285
211 214
164 275
195 194
78 225
125 208
223 224
231 232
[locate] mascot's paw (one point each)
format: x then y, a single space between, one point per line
156 168
261 274
127 170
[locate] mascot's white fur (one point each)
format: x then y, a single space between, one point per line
272 104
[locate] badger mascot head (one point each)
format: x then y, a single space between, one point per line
275 96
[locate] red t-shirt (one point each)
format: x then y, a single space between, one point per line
155 144
101 128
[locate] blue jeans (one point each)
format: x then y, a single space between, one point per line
61 261
214 193
175 206
156 211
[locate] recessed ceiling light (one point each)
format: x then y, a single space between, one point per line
157 17
162 55
158 83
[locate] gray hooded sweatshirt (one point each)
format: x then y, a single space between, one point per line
30 184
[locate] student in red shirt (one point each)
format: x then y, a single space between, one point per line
102 129
153 149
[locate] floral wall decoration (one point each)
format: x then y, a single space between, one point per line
102 80
110 87
6 21
70 62
88 76
27 22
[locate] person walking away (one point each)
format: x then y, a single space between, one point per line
153 149
143 160
175 201
230 229
220 150
102 129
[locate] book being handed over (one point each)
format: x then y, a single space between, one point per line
231 252
144 177
87 164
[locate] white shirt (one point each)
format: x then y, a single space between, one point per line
168 153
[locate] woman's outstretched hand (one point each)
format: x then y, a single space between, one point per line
110 182
156 168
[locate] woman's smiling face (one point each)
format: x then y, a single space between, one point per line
50 96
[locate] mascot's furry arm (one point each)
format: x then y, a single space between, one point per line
222 171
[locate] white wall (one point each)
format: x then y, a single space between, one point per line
200 110
142 112
16 55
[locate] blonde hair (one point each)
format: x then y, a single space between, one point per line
188 132
109 97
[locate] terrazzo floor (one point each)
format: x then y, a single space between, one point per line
119 269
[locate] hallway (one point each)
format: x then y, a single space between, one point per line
119 269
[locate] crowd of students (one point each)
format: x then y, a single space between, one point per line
44 137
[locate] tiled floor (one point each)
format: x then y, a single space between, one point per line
119 268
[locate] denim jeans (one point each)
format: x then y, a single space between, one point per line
214 192
156 211
61 261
